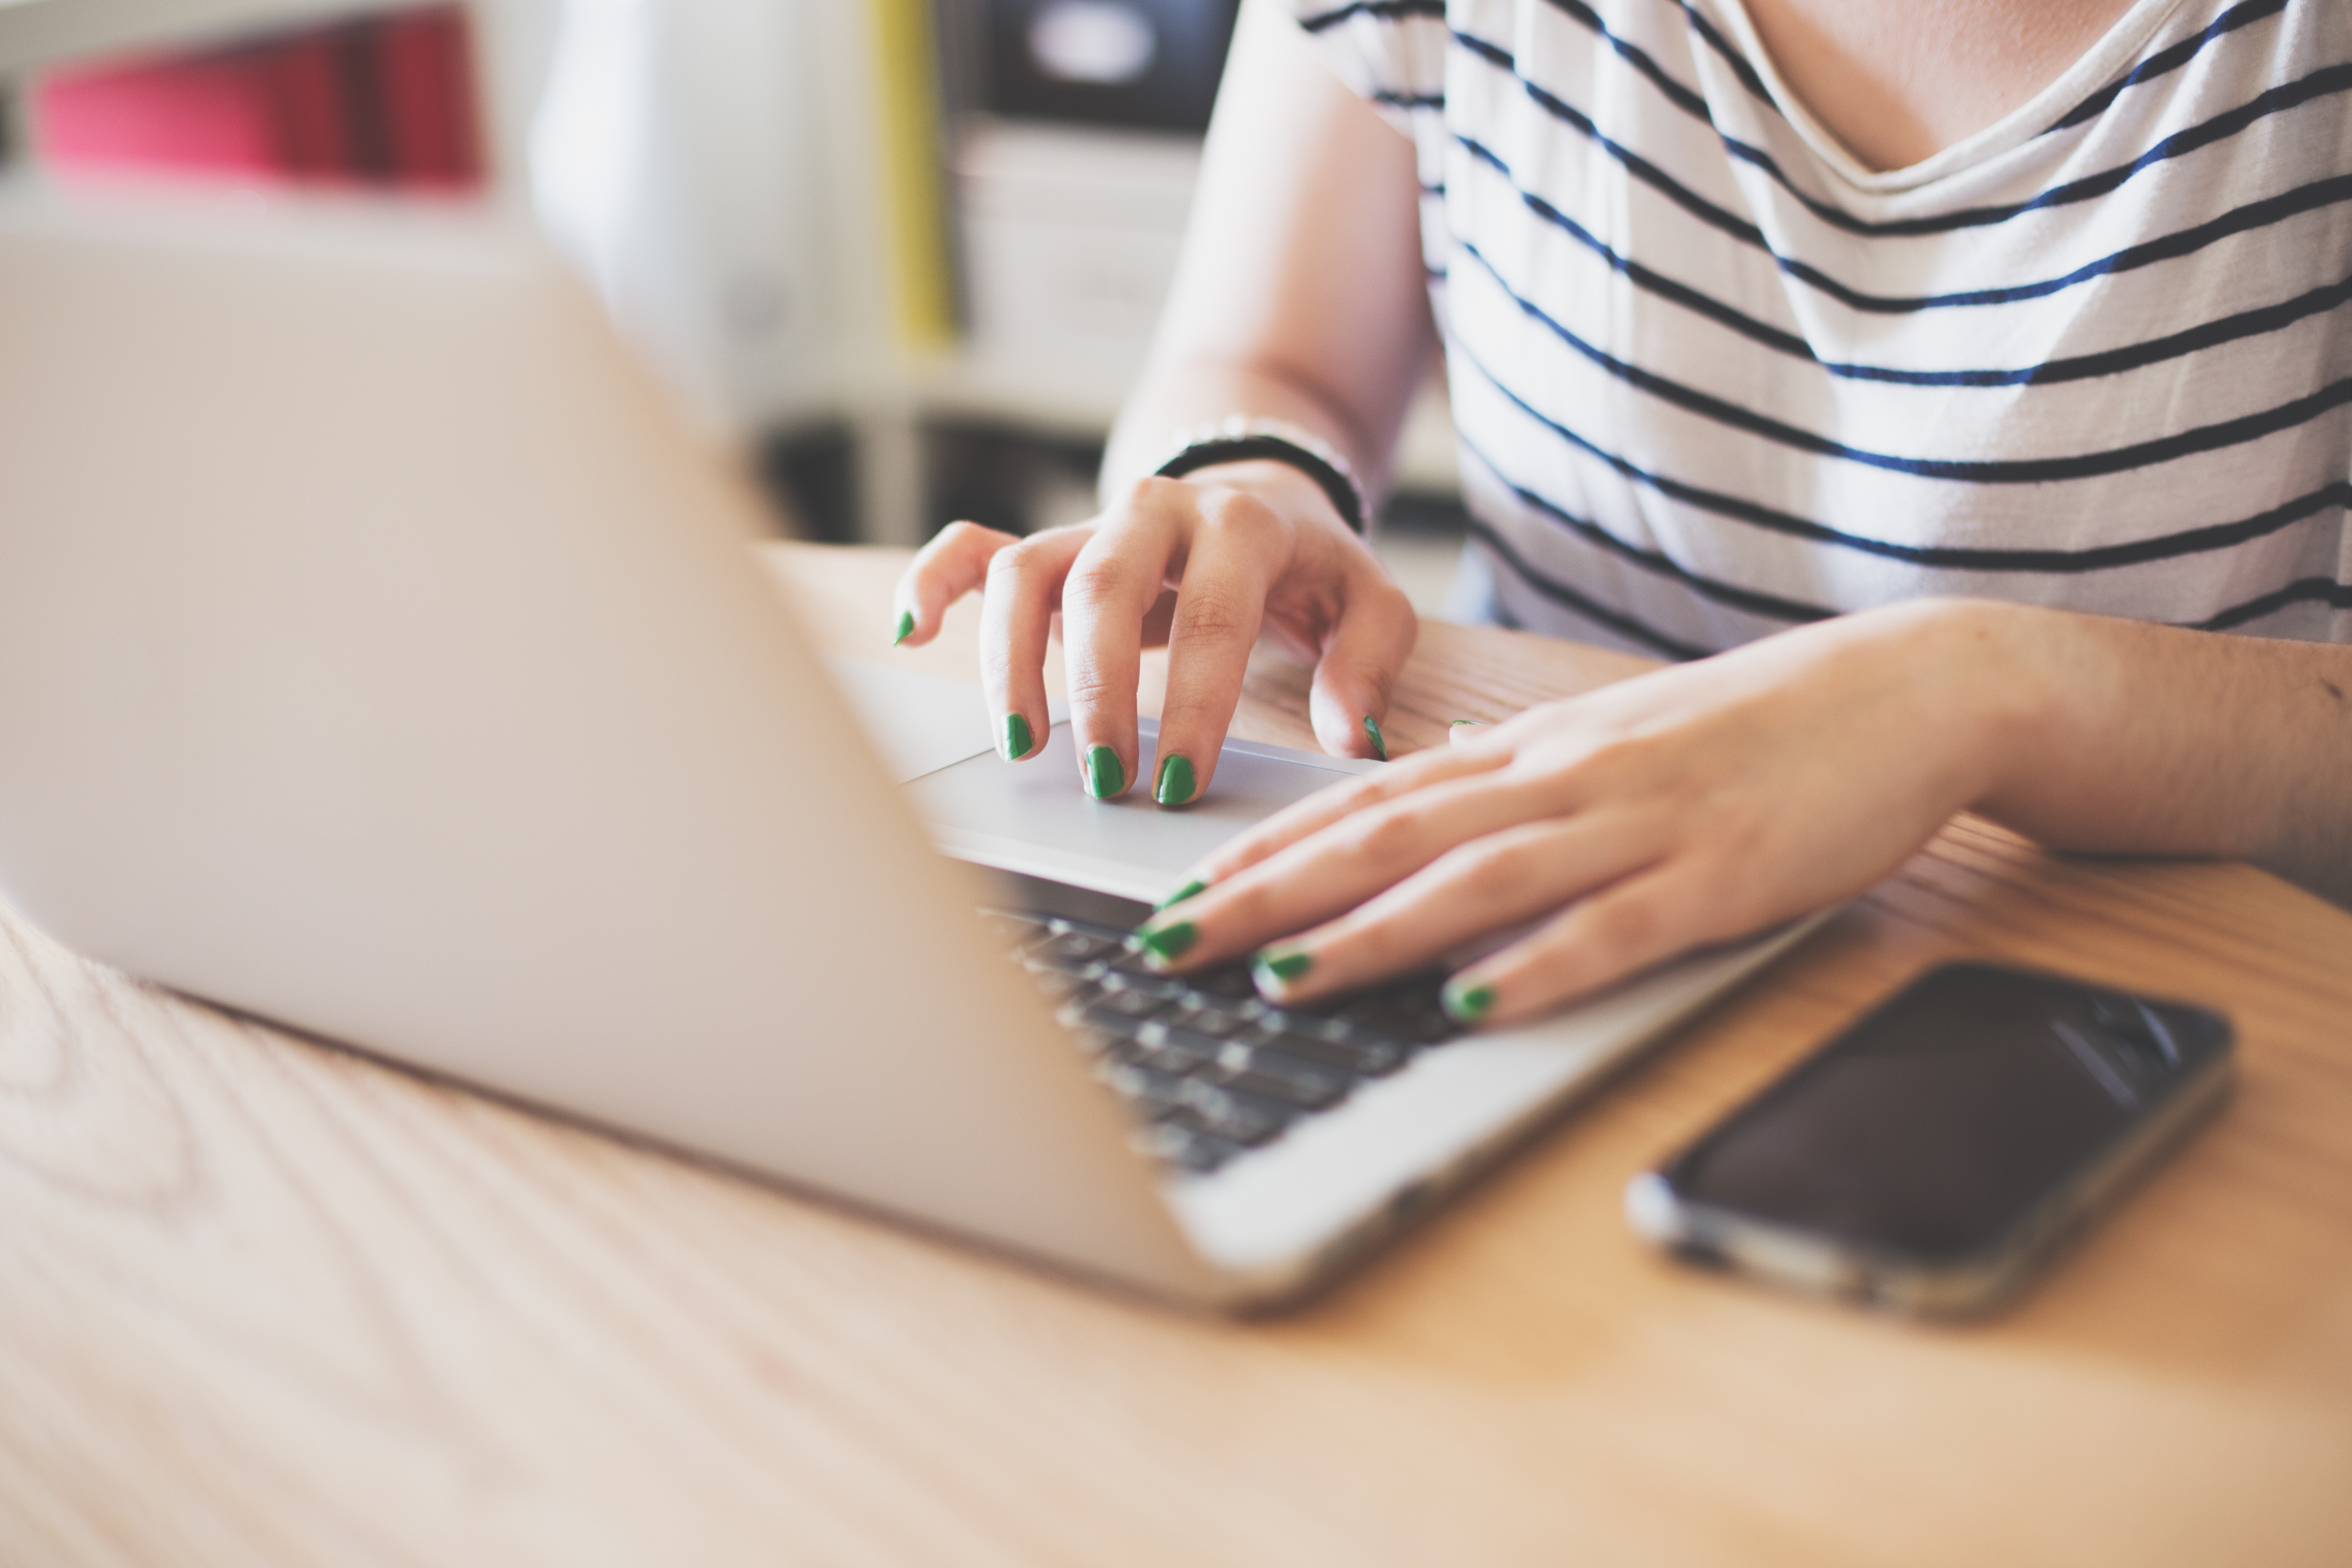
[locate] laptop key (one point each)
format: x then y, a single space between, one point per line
1290 1080
1068 950
1411 1014
1121 1048
1115 979
1129 960
1112 937
1231 982
1216 1022
1237 1118
1177 1051
1152 1091
1364 1055
1108 1025
1291 1021
1139 1007
1249 1123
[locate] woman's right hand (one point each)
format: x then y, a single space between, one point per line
1248 547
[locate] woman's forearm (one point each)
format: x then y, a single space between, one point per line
2127 738
1300 295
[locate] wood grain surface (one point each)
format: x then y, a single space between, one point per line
263 1301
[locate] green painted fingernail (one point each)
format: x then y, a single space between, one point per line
1459 722
1380 746
1016 737
1466 1003
1181 894
1175 781
1105 777
1166 944
1283 967
906 627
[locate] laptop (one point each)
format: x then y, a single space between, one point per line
379 656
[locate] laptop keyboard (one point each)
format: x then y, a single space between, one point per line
1210 1070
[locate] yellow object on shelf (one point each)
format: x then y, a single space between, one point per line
907 56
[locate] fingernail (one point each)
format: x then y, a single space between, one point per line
1181 894
1105 777
1277 969
1466 1002
1164 944
1474 724
1380 746
1175 781
1016 737
906 627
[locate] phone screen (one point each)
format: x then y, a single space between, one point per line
1940 1120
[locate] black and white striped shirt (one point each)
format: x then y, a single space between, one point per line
1712 378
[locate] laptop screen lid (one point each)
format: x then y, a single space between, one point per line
377 656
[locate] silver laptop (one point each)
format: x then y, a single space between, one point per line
377 657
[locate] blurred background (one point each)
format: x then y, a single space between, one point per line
901 259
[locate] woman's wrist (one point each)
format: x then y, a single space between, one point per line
2047 690
1241 438
1290 493
1990 690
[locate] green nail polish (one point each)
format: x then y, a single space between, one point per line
1466 1003
1105 777
1284 967
1181 894
1166 944
1380 746
906 627
1016 737
1175 781
1459 722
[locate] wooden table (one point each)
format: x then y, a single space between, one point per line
264 1302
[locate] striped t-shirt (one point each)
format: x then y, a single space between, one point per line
1712 377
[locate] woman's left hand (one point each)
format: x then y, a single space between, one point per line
1688 805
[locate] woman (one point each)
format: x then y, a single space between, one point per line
1936 382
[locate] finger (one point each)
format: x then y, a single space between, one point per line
1357 671
1498 880
1332 871
1424 770
1110 588
1016 620
952 565
1619 932
1232 558
1463 730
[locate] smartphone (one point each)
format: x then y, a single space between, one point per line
1937 1152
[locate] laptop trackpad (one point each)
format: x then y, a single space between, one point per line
1035 818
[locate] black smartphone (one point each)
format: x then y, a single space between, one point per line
1929 1157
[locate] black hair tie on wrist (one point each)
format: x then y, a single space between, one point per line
1256 446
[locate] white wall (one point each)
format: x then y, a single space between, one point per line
677 154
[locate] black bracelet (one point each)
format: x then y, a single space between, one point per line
1235 442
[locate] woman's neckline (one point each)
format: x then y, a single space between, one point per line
2095 68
